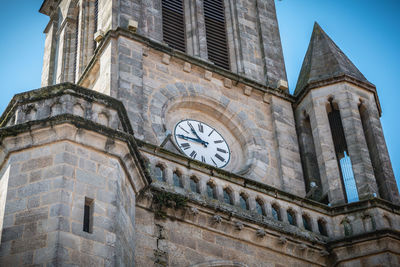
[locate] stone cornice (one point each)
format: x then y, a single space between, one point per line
76 106
247 216
338 79
48 6
236 78
343 209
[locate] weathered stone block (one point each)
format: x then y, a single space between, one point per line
35 242
90 178
37 163
32 215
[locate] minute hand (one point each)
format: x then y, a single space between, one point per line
194 131
192 139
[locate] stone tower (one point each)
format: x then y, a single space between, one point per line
165 135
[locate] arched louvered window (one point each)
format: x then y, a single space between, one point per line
173 24
217 46
341 150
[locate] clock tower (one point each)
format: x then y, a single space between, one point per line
165 135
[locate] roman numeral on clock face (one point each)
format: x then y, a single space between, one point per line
185 146
193 154
218 156
203 159
222 150
201 128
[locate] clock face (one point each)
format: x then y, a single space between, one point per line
202 142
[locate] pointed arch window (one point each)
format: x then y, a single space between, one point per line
342 154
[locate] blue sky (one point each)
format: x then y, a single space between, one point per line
368 31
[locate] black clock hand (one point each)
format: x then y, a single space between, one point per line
192 139
194 131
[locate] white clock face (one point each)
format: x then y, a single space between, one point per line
202 142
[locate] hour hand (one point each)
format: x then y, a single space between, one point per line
193 139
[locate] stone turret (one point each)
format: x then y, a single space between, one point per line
69 179
338 123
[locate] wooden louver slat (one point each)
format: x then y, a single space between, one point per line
173 24
217 46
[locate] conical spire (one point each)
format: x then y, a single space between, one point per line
324 60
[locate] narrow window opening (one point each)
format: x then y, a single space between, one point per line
211 193
342 154
291 217
243 202
275 213
347 228
194 185
96 18
88 215
306 223
322 228
177 179
57 36
259 207
76 46
217 46
173 24
227 197
159 173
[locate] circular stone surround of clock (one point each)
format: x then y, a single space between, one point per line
202 142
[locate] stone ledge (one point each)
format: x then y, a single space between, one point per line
246 216
66 89
338 79
207 66
82 132
266 189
